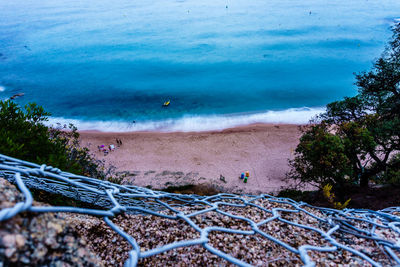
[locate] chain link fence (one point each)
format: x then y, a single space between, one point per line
380 227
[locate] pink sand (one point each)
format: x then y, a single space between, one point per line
162 159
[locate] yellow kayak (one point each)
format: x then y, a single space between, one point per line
166 103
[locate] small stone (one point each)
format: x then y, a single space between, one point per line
25 260
8 241
20 240
58 228
49 241
81 252
69 239
9 252
40 252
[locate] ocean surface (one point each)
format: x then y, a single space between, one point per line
110 65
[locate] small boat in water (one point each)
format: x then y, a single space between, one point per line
166 103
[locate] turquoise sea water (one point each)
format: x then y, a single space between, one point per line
103 64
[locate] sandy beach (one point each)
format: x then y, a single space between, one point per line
160 160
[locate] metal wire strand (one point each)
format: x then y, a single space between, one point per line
116 199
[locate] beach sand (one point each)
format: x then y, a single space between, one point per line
160 160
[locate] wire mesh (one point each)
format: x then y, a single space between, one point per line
113 199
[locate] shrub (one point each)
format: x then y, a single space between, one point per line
357 139
23 135
331 198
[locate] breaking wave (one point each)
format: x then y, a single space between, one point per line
195 123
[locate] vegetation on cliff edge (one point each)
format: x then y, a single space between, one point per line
357 140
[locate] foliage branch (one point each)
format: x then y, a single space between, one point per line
357 139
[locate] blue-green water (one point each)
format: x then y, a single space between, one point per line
103 64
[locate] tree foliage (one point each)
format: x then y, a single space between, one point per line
357 139
23 135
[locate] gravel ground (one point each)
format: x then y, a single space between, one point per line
151 232
29 239
65 239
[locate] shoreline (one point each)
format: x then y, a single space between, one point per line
195 123
162 159
243 127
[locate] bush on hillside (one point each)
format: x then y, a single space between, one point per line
23 135
357 139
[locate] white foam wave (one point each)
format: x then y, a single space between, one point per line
196 123
2 88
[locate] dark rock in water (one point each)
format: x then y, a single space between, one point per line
17 95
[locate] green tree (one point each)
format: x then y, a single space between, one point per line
357 139
23 135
